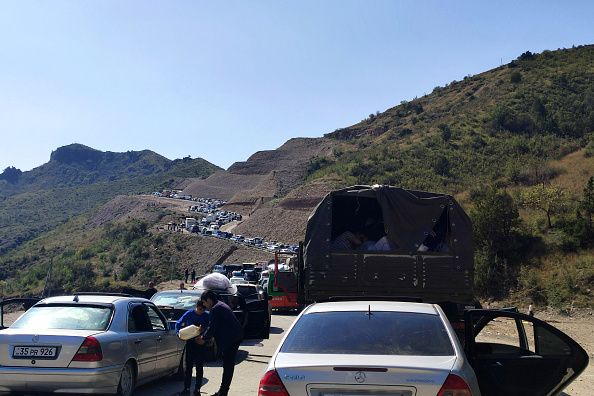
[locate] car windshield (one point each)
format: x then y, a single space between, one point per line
381 333
177 300
66 317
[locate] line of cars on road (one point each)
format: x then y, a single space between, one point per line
108 343
256 242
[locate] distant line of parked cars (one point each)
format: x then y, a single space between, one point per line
257 242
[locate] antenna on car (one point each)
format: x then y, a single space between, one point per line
369 312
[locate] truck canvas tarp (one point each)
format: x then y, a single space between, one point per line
429 255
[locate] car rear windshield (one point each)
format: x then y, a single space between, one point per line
248 292
364 333
65 317
177 300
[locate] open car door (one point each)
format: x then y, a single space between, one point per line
15 305
514 354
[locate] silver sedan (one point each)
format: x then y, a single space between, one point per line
88 344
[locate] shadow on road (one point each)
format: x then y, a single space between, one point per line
276 330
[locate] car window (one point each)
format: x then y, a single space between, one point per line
248 292
513 354
505 336
138 319
12 308
381 333
177 300
157 322
549 344
67 317
235 302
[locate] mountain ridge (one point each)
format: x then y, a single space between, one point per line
76 165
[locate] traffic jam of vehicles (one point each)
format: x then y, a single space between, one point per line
382 290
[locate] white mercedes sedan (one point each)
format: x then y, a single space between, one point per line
380 348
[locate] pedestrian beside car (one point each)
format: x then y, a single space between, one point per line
193 275
182 286
227 332
531 310
186 274
194 352
148 293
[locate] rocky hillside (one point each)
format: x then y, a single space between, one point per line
267 190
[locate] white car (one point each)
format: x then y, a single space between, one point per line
410 349
237 280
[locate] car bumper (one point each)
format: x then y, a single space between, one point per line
60 380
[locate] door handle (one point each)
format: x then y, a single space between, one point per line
159 338
137 341
497 364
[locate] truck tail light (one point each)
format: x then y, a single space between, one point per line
454 386
89 351
458 325
271 385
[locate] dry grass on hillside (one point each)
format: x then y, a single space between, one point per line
577 169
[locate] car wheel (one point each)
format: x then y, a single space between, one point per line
126 385
265 332
181 369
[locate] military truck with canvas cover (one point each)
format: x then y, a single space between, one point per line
418 247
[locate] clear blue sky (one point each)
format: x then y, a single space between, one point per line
221 80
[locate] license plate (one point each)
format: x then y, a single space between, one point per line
38 352
363 394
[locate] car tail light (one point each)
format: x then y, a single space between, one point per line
458 325
89 351
454 386
271 385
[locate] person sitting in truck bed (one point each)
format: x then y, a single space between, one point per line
376 237
434 243
384 243
348 241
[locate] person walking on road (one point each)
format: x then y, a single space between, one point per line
194 352
227 332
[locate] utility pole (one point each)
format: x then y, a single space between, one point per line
172 261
